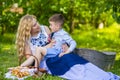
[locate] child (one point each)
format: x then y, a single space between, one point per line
59 37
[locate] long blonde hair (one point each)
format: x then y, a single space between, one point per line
23 34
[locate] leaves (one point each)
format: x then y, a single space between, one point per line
75 11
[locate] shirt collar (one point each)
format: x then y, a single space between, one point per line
59 32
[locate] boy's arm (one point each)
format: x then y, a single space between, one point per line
71 45
67 49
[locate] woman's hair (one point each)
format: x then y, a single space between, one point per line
23 34
58 18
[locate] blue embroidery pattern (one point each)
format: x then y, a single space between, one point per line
40 40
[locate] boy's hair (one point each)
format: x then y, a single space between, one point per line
57 18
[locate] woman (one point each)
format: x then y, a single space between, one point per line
30 34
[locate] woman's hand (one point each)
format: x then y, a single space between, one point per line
52 42
61 54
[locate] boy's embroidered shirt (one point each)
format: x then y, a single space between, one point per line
62 37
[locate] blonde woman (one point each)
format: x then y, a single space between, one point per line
30 34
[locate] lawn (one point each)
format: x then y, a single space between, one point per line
9 58
107 39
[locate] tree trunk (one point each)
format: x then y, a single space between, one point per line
3 30
71 14
72 26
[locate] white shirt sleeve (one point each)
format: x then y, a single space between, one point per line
72 43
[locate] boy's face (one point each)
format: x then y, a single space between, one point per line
54 26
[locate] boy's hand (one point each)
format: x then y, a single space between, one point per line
61 54
52 42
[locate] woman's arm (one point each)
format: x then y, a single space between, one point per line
27 51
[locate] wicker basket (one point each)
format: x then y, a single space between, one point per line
38 69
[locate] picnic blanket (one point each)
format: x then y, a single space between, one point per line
20 73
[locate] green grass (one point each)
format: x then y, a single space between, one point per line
9 58
107 39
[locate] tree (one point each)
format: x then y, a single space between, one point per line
76 12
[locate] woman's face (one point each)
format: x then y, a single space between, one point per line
35 28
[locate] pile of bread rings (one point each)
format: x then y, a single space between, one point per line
19 72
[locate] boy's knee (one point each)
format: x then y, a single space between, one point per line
42 50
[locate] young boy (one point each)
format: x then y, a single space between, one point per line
59 38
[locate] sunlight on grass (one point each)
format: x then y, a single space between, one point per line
101 39
113 32
118 56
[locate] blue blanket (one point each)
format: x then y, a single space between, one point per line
60 65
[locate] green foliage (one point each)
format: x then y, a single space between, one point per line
115 9
102 37
76 12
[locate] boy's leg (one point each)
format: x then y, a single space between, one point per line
40 53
